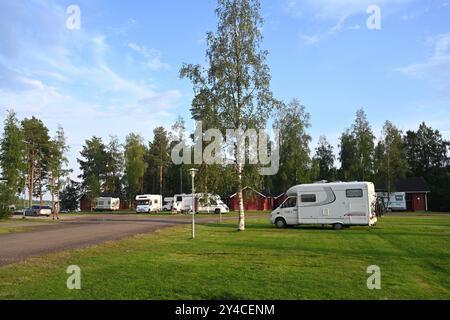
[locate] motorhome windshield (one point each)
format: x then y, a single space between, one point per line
143 202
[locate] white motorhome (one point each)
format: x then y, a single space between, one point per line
207 202
340 204
107 204
204 203
180 203
147 203
394 201
168 204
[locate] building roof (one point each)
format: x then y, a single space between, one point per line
415 184
103 195
247 187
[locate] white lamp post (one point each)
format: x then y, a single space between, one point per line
193 172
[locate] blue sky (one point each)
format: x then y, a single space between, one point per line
119 72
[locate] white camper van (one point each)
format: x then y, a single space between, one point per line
180 203
147 203
210 203
107 204
204 203
168 204
395 201
340 204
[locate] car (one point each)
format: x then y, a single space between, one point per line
38 210
19 212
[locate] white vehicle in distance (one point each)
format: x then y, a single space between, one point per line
37 210
107 204
180 203
168 204
204 203
147 203
210 203
340 204
394 201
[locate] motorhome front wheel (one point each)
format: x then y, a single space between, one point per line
338 226
280 223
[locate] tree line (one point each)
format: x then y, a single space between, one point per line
31 161
132 168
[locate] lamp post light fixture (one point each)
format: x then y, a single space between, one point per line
193 172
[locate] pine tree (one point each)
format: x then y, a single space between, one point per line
11 161
37 148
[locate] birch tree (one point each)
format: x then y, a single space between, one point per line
325 159
57 164
135 164
233 90
390 158
292 121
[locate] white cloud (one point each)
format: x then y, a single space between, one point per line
337 13
436 68
335 29
152 57
337 9
310 39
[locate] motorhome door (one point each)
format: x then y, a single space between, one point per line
290 210
356 206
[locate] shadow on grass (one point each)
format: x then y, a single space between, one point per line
232 227
227 225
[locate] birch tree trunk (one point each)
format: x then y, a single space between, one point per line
241 226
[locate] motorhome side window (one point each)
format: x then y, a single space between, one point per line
308 198
290 203
398 198
354 193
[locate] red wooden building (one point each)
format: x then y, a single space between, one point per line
416 193
253 200
278 201
84 203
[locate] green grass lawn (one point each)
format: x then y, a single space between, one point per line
8 225
12 229
260 263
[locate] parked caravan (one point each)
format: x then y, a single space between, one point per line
168 204
180 203
107 204
395 201
147 203
340 204
207 202
204 203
